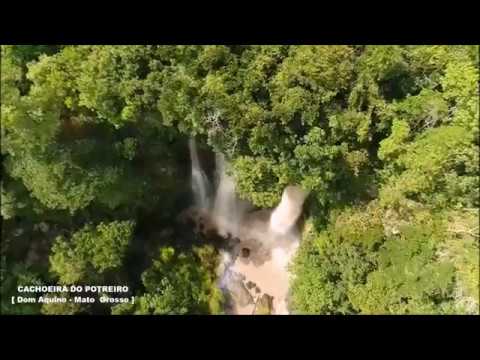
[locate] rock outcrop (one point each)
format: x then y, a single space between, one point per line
264 305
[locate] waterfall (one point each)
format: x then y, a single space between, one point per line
270 238
286 214
228 209
199 179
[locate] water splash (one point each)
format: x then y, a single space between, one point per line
288 211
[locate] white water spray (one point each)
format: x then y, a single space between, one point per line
199 179
228 210
288 211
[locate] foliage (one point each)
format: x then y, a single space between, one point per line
13 276
407 280
461 248
59 308
90 251
354 266
178 283
384 138
330 263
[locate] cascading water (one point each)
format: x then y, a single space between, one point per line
272 239
286 214
200 184
268 237
228 209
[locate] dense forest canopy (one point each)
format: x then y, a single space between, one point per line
95 167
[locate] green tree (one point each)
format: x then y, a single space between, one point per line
178 282
91 251
68 308
408 280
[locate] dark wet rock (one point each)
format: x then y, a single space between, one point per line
260 256
212 235
43 227
165 233
238 292
18 232
190 223
264 305
245 252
